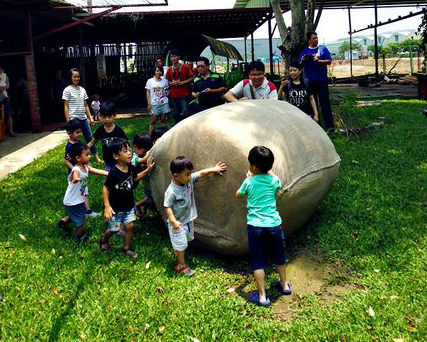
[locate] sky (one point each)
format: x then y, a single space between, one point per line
332 26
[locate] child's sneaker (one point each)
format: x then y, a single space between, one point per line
92 214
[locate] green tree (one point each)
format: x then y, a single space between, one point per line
411 45
393 49
346 47
381 49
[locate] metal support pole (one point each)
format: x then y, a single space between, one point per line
376 40
270 47
81 59
351 43
125 58
246 50
252 47
31 79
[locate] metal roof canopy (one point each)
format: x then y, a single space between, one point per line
338 4
160 26
13 15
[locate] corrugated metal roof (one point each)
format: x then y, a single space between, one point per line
332 3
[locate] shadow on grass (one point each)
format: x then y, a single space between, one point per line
61 320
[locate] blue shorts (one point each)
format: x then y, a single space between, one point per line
264 241
122 218
76 213
160 109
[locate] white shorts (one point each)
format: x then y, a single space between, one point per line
182 237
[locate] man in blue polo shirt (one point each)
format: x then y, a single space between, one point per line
315 58
208 86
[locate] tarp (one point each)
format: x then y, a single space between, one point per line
305 161
192 45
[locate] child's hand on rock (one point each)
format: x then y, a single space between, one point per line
220 167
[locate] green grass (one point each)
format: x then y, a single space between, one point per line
54 289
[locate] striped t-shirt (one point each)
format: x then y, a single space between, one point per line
76 97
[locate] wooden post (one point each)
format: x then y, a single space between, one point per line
31 79
384 65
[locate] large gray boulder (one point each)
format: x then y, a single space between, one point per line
305 161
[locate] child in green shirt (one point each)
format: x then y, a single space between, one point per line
264 223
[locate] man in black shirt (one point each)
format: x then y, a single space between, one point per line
208 86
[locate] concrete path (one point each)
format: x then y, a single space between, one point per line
17 152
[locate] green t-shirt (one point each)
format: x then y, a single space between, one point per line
261 202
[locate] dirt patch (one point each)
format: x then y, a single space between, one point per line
310 274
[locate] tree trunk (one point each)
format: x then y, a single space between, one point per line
298 40
284 32
294 39
309 19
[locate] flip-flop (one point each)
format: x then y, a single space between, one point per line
254 298
130 253
279 287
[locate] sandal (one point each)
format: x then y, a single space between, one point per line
254 298
104 246
81 238
130 253
184 270
65 226
283 291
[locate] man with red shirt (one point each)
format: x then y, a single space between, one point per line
180 76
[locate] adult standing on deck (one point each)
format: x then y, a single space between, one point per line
76 107
179 76
315 58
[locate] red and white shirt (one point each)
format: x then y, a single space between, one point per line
266 90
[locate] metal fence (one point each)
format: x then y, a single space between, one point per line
387 64
404 64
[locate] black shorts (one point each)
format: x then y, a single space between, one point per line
264 241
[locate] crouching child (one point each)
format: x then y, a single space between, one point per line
118 196
180 206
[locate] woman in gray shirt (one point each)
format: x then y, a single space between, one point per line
76 107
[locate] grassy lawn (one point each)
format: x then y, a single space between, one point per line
53 289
